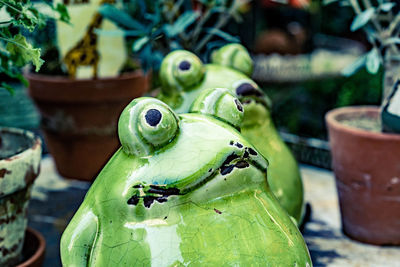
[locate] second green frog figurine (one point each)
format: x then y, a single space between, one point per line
184 190
184 77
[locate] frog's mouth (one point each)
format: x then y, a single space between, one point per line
242 157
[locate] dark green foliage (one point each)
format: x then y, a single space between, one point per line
16 51
380 20
157 27
300 108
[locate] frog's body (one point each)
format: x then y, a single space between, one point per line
228 70
198 199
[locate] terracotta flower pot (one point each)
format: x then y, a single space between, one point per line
79 118
20 153
33 250
367 170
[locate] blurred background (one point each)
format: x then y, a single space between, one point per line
300 48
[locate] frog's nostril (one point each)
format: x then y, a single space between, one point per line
246 89
153 117
238 105
184 65
252 151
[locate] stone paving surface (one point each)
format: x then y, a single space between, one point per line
55 200
327 244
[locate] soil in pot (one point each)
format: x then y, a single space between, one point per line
367 169
33 250
20 153
79 118
364 122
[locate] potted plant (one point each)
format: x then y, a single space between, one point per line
20 153
365 158
20 150
156 28
79 115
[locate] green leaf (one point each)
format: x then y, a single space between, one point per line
354 67
344 4
23 14
185 20
174 45
120 17
22 79
8 87
386 7
373 61
392 40
361 19
139 43
63 12
157 59
146 59
327 2
132 33
22 52
226 36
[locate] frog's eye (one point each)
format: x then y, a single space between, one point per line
146 124
235 56
180 70
219 103
247 88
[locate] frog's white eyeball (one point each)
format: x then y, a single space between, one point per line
146 124
220 103
180 70
157 124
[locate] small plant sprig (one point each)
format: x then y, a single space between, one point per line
380 20
15 51
158 27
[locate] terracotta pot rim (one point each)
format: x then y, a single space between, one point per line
65 79
331 118
37 142
39 251
53 89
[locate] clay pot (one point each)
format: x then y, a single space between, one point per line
20 153
33 250
278 41
79 118
367 170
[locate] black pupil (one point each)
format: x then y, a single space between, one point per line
153 117
184 65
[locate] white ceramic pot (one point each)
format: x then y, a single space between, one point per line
20 153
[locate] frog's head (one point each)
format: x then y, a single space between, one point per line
183 77
165 155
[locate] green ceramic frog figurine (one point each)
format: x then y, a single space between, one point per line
184 190
183 77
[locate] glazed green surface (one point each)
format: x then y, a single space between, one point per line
217 219
215 76
283 172
284 176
